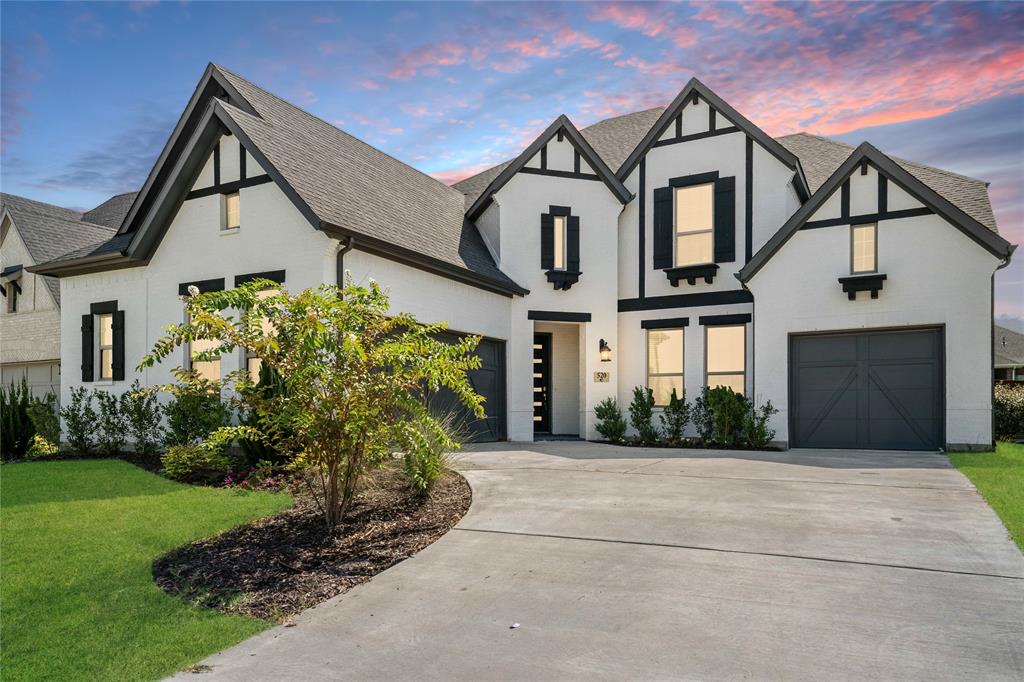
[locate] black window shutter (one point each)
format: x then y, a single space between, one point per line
87 349
662 228
725 220
118 328
547 241
573 243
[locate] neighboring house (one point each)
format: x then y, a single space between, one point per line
1008 354
676 248
32 232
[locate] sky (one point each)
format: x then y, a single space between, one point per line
89 92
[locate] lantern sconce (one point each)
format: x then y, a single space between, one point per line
606 351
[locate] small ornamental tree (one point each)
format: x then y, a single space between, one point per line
354 377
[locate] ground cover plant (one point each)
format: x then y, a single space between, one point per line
76 551
999 477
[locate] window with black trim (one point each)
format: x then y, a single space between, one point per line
560 246
253 362
694 224
725 356
864 248
665 363
558 240
105 345
103 342
206 369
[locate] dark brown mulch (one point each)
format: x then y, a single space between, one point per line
276 567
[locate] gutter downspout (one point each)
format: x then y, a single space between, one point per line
339 277
992 340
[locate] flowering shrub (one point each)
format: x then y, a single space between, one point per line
265 476
1009 408
40 448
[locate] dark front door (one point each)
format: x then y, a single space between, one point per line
542 383
877 390
488 381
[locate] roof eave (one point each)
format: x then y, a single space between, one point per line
86 264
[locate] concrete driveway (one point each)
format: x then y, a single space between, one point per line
633 563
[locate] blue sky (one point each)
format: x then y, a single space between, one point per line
91 91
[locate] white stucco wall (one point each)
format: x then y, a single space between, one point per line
522 201
936 276
273 236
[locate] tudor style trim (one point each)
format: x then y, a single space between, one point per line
866 152
556 316
867 218
228 187
714 320
204 286
695 90
563 126
665 323
706 298
272 275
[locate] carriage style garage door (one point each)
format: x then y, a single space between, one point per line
488 381
880 390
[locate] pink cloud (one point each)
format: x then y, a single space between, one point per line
632 16
427 58
532 47
368 84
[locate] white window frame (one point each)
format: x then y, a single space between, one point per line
647 359
100 346
708 374
874 239
676 233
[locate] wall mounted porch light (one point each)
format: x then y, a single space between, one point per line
606 351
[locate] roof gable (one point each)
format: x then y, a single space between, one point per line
866 153
693 91
561 126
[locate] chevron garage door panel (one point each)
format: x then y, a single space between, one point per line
878 390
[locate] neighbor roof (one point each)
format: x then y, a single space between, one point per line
112 211
1008 347
51 232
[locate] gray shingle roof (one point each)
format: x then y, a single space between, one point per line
52 232
359 188
615 138
112 211
1009 347
820 157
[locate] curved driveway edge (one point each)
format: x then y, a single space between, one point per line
636 563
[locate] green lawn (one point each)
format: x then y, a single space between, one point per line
999 477
77 543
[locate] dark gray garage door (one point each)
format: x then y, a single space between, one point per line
881 390
488 381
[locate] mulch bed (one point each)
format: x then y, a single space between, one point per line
276 567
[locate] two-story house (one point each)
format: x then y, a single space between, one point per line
34 232
675 248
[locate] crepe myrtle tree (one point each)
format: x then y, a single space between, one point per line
355 377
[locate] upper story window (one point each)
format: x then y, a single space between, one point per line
105 345
725 354
232 211
559 242
694 224
665 365
10 283
864 248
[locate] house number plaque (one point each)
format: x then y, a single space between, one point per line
601 377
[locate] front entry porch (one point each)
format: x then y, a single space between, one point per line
557 386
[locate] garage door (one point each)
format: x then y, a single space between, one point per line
879 390
488 381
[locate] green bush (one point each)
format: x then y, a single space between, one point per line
610 422
728 410
79 422
703 418
268 387
192 417
425 449
41 448
195 464
142 416
641 413
16 428
111 427
675 417
45 415
755 425
1009 411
